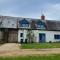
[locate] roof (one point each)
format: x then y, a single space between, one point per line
49 24
23 21
8 22
53 25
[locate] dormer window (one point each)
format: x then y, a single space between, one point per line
23 23
40 25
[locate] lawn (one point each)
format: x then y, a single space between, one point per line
37 57
40 45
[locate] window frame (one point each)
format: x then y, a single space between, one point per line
57 36
21 34
24 25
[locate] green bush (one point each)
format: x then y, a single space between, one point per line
26 41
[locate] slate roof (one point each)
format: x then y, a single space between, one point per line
53 25
49 24
8 22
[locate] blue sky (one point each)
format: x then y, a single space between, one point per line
31 8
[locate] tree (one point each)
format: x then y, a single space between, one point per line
30 33
30 36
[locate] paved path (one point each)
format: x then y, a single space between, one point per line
13 49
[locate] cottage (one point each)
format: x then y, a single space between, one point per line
17 29
41 30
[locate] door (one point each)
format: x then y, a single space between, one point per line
41 37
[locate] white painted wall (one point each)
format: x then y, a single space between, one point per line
49 35
24 35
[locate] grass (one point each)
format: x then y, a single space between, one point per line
37 57
40 45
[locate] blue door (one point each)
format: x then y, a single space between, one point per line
41 37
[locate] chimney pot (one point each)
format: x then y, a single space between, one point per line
42 17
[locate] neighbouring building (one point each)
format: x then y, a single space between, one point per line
8 29
17 29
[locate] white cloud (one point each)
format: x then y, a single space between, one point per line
29 8
53 11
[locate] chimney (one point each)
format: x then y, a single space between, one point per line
42 17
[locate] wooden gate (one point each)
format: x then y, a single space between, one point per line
13 38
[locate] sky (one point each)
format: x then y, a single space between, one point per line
31 8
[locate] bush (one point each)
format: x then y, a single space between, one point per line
50 41
32 41
25 40
21 41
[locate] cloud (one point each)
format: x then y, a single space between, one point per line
31 8
53 12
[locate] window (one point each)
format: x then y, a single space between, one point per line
56 36
40 26
24 25
21 34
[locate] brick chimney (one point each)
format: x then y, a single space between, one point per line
42 17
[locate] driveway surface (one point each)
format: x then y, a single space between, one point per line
13 49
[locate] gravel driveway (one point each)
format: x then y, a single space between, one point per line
13 49
9 47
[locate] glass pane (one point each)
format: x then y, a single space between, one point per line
21 34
